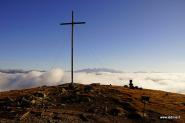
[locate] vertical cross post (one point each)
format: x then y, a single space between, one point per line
72 43
72 31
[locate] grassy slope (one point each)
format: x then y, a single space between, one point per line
103 104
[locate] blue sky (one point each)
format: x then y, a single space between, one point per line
129 35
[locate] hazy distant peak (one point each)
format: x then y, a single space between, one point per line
92 70
13 71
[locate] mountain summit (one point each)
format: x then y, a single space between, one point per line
93 103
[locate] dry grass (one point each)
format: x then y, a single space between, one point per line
102 104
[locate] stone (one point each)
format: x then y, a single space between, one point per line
83 117
134 115
35 113
43 86
92 110
25 102
33 102
125 86
86 99
116 111
25 115
40 94
136 87
128 106
88 88
63 90
11 114
140 88
47 114
77 93
6 102
63 105
56 116
95 84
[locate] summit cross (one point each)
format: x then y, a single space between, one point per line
72 23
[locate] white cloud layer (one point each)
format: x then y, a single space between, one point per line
31 79
171 82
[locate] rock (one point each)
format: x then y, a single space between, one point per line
73 99
63 90
36 114
125 86
95 84
77 93
63 105
92 110
136 87
47 114
140 88
117 111
40 94
6 102
44 86
128 106
83 117
25 115
56 116
134 115
11 114
183 103
33 102
86 99
25 102
88 88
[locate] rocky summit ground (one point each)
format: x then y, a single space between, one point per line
93 103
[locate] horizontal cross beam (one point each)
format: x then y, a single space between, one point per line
72 23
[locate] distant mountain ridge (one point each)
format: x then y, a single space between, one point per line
14 71
94 70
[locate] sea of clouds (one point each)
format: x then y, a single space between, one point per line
171 82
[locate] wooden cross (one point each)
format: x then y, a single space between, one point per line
72 23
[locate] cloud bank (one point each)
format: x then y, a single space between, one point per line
171 82
30 79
